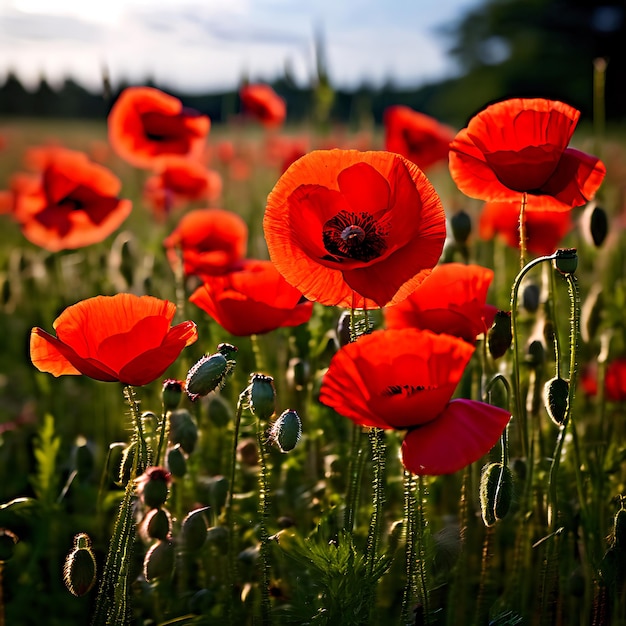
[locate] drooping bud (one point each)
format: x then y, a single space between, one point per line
79 570
193 531
496 492
461 226
595 224
530 297
210 372
556 399
114 460
262 396
566 260
159 561
499 336
153 486
8 539
157 524
286 431
183 430
172 392
176 461
535 354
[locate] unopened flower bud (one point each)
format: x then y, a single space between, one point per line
619 529
496 492
153 487
79 570
530 297
219 411
8 540
210 372
83 459
218 536
286 431
461 226
591 313
262 396
193 531
172 393
566 260
499 336
535 353
298 373
176 461
248 452
159 561
595 224
556 399
157 524
183 430
227 349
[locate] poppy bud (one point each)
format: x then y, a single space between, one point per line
218 536
171 393
8 540
176 461
619 529
183 430
499 336
157 524
193 531
298 373
206 375
530 297
217 487
159 561
153 487
535 353
461 226
83 459
79 570
496 492
126 465
262 396
219 411
227 349
591 313
248 452
595 224
566 260
343 328
114 460
556 399
286 431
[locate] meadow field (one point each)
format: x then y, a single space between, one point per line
280 505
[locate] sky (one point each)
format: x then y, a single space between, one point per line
210 45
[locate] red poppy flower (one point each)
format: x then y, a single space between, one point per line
418 137
451 300
123 338
520 146
354 229
264 104
213 241
615 380
145 124
74 203
252 300
544 229
395 378
180 180
405 379
462 433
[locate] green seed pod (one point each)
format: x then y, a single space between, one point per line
499 336
461 226
556 399
8 540
219 411
157 524
79 570
176 462
183 430
153 487
172 393
566 260
262 396
159 561
496 492
217 487
286 431
193 531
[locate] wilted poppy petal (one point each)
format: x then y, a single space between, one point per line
464 432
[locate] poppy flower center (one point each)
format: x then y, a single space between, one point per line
403 390
71 204
356 236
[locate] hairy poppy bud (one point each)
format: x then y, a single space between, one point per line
556 399
496 492
79 570
530 297
193 531
298 373
262 396
499 336
171 393
210 372
595 224
176 461
8 540
183 430
566 260
157 524
461 226
286 431
159 561
153 487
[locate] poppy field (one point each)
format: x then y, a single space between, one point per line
253 373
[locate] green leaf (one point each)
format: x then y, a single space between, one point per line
45 482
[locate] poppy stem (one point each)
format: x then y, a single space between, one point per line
410 587
522 231
422 522
264 493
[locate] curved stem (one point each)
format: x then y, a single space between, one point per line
522 231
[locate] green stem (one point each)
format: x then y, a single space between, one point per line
522 231
421 550
164 423
264 492
355 472
410 587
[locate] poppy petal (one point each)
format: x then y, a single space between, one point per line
462 434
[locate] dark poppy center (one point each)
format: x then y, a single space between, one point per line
403 390
71 204
356 236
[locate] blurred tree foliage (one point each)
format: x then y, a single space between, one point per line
503 48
